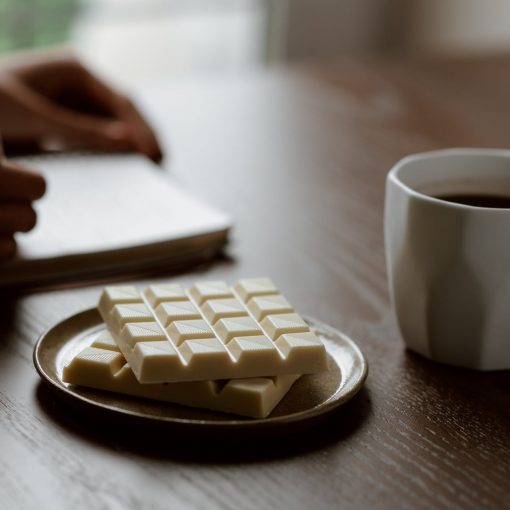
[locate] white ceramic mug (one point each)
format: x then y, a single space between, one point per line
449 263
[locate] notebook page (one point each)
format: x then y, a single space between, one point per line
100 203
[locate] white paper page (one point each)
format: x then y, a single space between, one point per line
98 203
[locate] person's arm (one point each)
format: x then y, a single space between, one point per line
50 98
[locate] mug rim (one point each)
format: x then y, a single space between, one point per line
440 154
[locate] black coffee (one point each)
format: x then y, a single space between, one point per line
494 201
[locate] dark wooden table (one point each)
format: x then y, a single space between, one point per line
299 157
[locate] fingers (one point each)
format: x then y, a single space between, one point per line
7 247
124 109
74 129
16 217
142 132
19 183
18 187
77 110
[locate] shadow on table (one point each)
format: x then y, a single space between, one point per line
163 443
442 386
9 315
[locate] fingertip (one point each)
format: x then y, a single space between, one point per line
24 183
141 147
39 186
35 185
150 147
157 156
30 220
142 135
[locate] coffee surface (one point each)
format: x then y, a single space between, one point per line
478 200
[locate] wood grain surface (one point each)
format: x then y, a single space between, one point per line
299 158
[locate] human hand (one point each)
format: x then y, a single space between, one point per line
50 98
18 188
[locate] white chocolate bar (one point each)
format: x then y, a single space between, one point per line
102 366
211 332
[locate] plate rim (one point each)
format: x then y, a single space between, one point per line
304 415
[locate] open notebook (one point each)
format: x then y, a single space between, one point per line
108 214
